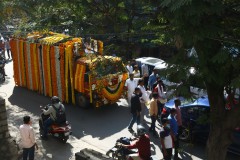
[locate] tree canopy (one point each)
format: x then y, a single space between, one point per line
211 27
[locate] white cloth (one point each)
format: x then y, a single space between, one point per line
144 69
145 94
161 93
167 141
136 74
130 69
131 85
27 136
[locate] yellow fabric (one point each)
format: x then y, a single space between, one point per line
153 110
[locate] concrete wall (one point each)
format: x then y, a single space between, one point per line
8 149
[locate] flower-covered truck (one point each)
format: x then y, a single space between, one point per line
73 69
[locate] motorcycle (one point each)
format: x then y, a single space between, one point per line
60 131
120 153
2 65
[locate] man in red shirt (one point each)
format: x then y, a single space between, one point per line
142 144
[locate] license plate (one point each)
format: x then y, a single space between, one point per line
66 134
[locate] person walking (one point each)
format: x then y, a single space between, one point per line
153 111
135 109
28 140
130 85
174 130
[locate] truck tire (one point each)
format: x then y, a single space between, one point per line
82 101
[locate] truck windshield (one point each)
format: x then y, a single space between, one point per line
102 67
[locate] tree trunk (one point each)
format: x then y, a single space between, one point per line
220 125
217 144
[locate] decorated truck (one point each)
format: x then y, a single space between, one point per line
74 69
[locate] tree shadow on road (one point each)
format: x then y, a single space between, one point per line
97 122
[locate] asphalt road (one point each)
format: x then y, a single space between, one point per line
92 128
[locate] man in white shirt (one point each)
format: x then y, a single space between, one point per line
130 85
28 141
136 72
144 69
129 67
144 98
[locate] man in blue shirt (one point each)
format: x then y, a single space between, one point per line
152 79
174 130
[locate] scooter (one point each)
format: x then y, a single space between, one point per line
60 131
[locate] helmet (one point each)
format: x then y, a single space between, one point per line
55 99
140 130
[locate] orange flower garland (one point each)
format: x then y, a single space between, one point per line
13 44
62 70
53 71
25 55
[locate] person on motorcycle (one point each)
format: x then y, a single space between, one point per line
52 112
142 144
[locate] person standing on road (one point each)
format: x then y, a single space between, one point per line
130 85
153 111
144 99
129 67
135 108
174 130
136 72
177 103
166 139
28 140
152 79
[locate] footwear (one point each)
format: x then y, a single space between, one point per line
130 130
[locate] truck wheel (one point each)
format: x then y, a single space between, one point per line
82 101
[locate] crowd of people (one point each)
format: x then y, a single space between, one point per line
146 96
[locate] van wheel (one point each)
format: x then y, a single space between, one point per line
82 101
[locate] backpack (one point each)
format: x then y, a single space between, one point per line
60 114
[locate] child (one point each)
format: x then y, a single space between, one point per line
166 139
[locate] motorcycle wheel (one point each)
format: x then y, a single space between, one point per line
111 154
64 140
185 136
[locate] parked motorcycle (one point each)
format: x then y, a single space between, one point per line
60 131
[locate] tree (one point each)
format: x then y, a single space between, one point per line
212 27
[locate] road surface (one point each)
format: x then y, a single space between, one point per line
92 128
